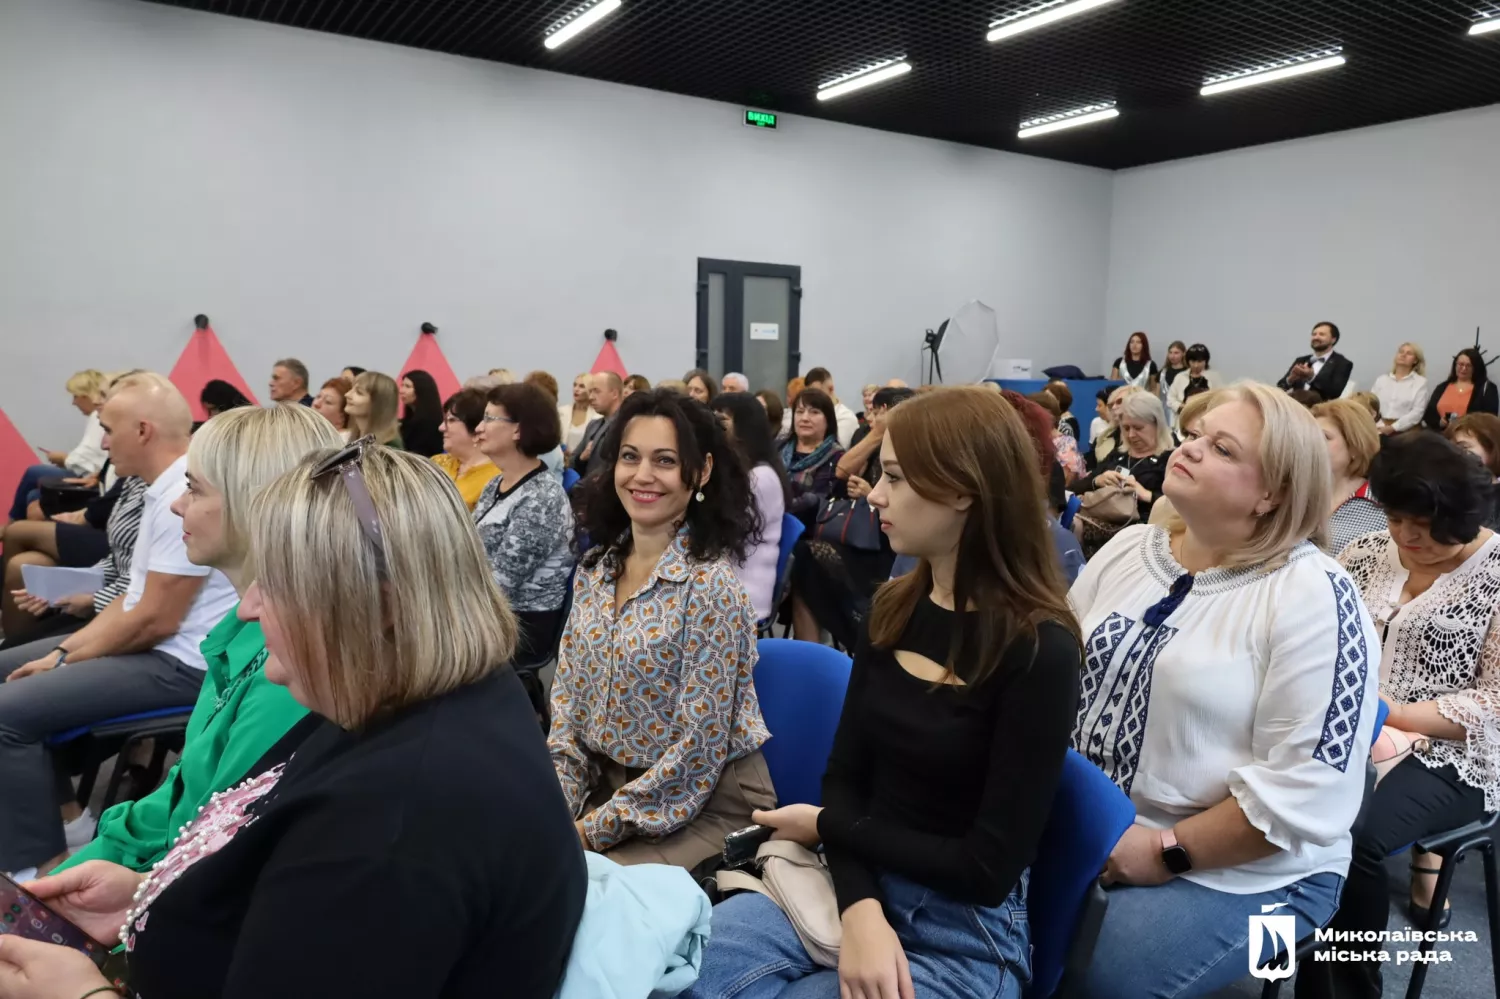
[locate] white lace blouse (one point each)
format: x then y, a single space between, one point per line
1442 646
1253 683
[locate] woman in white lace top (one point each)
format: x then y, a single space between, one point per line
1432 583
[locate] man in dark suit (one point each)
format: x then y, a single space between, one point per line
605 394
1324 371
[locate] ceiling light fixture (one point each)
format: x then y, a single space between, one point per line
1273 72
580 20
1036 17
1085 115
867 77
1485 27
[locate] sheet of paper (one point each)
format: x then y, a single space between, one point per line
52 582
765 331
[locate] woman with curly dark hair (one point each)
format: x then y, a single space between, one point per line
656 730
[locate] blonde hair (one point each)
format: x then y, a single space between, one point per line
1369 400
503 376
1293 468
241 451
1145 406
427 621
89 383
1192 411
384 398
1421 366
1352 419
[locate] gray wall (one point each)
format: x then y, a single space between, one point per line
321 196
1392 232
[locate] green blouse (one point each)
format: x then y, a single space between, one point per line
239 716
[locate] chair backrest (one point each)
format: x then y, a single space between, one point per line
791 531
1089 815
1382 712
801 690
1070 511
570 479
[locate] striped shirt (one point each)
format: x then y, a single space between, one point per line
124 524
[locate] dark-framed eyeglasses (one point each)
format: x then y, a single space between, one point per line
347 463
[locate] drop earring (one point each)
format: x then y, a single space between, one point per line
699 496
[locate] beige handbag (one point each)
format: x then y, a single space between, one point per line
1111 505
797 879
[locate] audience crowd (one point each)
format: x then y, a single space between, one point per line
357 590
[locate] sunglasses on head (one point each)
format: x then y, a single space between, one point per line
347 463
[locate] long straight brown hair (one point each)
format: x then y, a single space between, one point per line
969 443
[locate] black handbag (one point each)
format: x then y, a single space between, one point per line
849 522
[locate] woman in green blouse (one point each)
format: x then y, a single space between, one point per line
239 714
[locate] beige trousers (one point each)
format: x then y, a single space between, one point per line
744 786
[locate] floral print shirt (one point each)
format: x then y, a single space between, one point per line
663 686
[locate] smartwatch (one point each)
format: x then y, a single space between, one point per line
62 660
1173 855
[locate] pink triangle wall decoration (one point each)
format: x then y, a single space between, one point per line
428 356
202 360
15 457
609 357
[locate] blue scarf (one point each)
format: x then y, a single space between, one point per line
796 463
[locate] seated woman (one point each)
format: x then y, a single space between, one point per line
952 738
371 409
810 454
656 731
1432 583
523 516
745 424
239 713
833 580
418 785
218 396
1229 690
87 389
1467 389
330 401
1139 466
1353 442
421 414
462 461
70 539
1105 441
1479 434
1067 423
1197 373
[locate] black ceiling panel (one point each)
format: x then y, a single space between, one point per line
1406 58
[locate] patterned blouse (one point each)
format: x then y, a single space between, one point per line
527 535
1443 646
1356 516
663 686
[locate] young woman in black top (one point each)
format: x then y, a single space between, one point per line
952 739
421 414
408 838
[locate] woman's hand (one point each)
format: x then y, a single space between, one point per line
79 605
42 665
58 458
1136 859
798 823
30 969
1106 479
35 606
1141 491
71 517
856 488
95 896
872 964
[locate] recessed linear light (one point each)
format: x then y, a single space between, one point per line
1485 27
1069 119
1270 74
867 77
581 21
1036 17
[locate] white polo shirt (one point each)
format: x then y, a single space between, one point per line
159 548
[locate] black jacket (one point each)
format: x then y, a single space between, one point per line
429 854
1328 383
1486 400
592 434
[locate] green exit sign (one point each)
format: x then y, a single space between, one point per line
760 119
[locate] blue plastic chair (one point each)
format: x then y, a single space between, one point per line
791 532
111 736
570 479
801 690
1070 511
1065 901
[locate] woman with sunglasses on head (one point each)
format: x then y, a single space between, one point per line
239 713
952 739
656 730
405 839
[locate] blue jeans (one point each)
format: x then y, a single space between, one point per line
29 488
1180 939
955 951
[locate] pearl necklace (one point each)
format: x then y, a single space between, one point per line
215 823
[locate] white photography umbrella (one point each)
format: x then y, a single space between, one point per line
965 346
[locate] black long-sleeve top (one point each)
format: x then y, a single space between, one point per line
1150 472
949 785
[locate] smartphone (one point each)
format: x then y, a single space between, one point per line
27 916
740 845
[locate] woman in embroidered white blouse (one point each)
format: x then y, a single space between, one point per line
1432 583
1229 689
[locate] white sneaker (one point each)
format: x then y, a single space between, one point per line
80 832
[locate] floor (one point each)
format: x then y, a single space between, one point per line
1469 976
